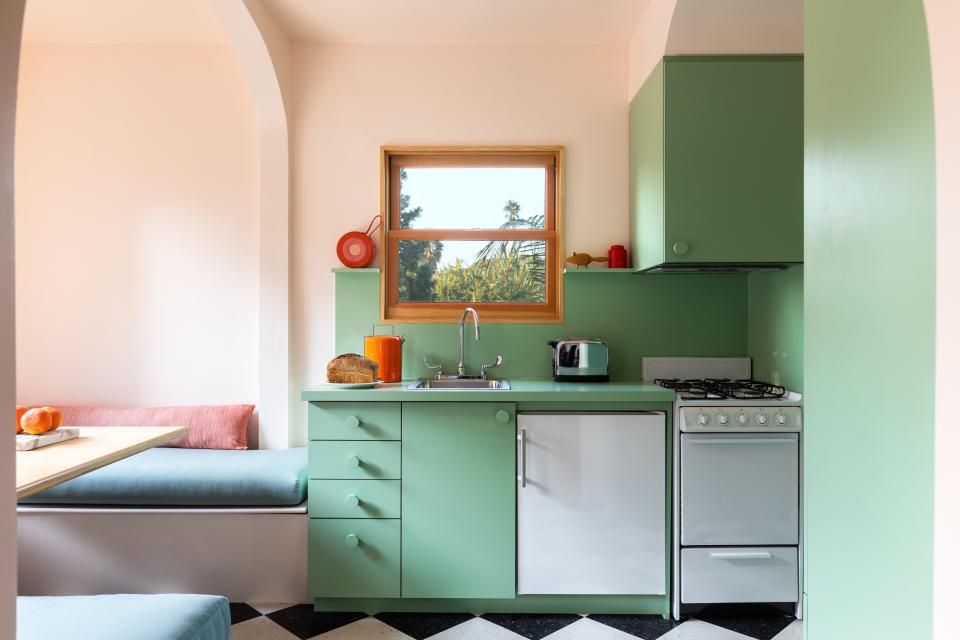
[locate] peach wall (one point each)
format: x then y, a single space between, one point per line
350 99
11 15
137 189
943 24
649 42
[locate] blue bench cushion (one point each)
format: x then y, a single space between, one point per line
122 617
190 477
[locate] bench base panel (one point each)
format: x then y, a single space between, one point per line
247 555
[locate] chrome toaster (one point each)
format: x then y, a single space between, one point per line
580 360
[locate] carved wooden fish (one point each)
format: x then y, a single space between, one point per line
584 259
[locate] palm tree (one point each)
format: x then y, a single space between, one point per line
531 252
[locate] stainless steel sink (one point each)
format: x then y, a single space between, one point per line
459 384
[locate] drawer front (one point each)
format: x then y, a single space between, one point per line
354 499
355 558
354 460
354 420
739 574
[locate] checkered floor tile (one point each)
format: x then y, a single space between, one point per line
300 622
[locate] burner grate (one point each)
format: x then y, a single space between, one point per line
722 389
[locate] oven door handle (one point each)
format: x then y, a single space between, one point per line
741 555
742 441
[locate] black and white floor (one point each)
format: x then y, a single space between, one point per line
293 622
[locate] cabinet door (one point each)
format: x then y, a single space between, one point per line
459 500
733 153
591 507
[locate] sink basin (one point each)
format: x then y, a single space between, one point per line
463 384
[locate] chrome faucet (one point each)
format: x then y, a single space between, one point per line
461 370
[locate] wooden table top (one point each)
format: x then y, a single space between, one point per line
42 468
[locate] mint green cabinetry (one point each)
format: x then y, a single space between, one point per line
459 500
354 558
716 162
354 421
353 460
354 498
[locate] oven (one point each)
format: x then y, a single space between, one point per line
739 489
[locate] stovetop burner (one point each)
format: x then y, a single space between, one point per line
722 389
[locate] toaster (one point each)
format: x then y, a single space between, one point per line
580 360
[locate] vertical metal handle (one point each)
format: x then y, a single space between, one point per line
522 458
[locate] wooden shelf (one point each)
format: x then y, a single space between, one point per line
596 270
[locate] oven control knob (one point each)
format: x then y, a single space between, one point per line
722 418
703 418
742 418
762 418
781 418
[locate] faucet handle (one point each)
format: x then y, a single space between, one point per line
436 367
484 367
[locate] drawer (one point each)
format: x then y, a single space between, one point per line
354 460
739 574
354 420
354 499
354 558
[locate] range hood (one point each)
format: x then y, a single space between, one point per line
717 267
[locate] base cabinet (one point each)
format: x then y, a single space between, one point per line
458 500
354 558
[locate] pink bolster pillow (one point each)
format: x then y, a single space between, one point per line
208 427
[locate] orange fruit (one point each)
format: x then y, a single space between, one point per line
20 412
56 415
36 421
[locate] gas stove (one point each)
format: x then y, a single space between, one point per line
722 389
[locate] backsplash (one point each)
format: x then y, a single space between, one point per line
775 323
637 315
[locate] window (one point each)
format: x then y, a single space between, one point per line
477 226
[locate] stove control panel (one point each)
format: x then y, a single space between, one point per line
741 418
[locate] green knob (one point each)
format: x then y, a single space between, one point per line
352 541
680 248
353 421
353 461
503 416
353 500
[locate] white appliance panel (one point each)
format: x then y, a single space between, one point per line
685 368
739 489
739 574
591 516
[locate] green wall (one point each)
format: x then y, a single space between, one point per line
775 326
638 315
869 320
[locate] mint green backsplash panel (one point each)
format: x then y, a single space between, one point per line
733 176
646 172
775 326
459 500
638 315
869 319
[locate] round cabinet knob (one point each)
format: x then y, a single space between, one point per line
353 500
353 461
680 248
352 541
762 418
742 418
781 418
353 421
503 416
723 418
703 418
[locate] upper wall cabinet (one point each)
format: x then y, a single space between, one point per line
716 164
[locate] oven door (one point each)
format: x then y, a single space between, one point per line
739 489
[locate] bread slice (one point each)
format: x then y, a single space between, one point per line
351 367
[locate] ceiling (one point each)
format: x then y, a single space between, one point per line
453 21
736 26
75 21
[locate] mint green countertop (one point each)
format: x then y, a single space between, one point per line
520 391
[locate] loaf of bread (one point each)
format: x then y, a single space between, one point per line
351 367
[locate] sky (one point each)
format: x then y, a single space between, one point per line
471 198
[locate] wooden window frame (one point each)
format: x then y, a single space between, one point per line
393 158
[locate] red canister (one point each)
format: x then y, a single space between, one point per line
617 257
